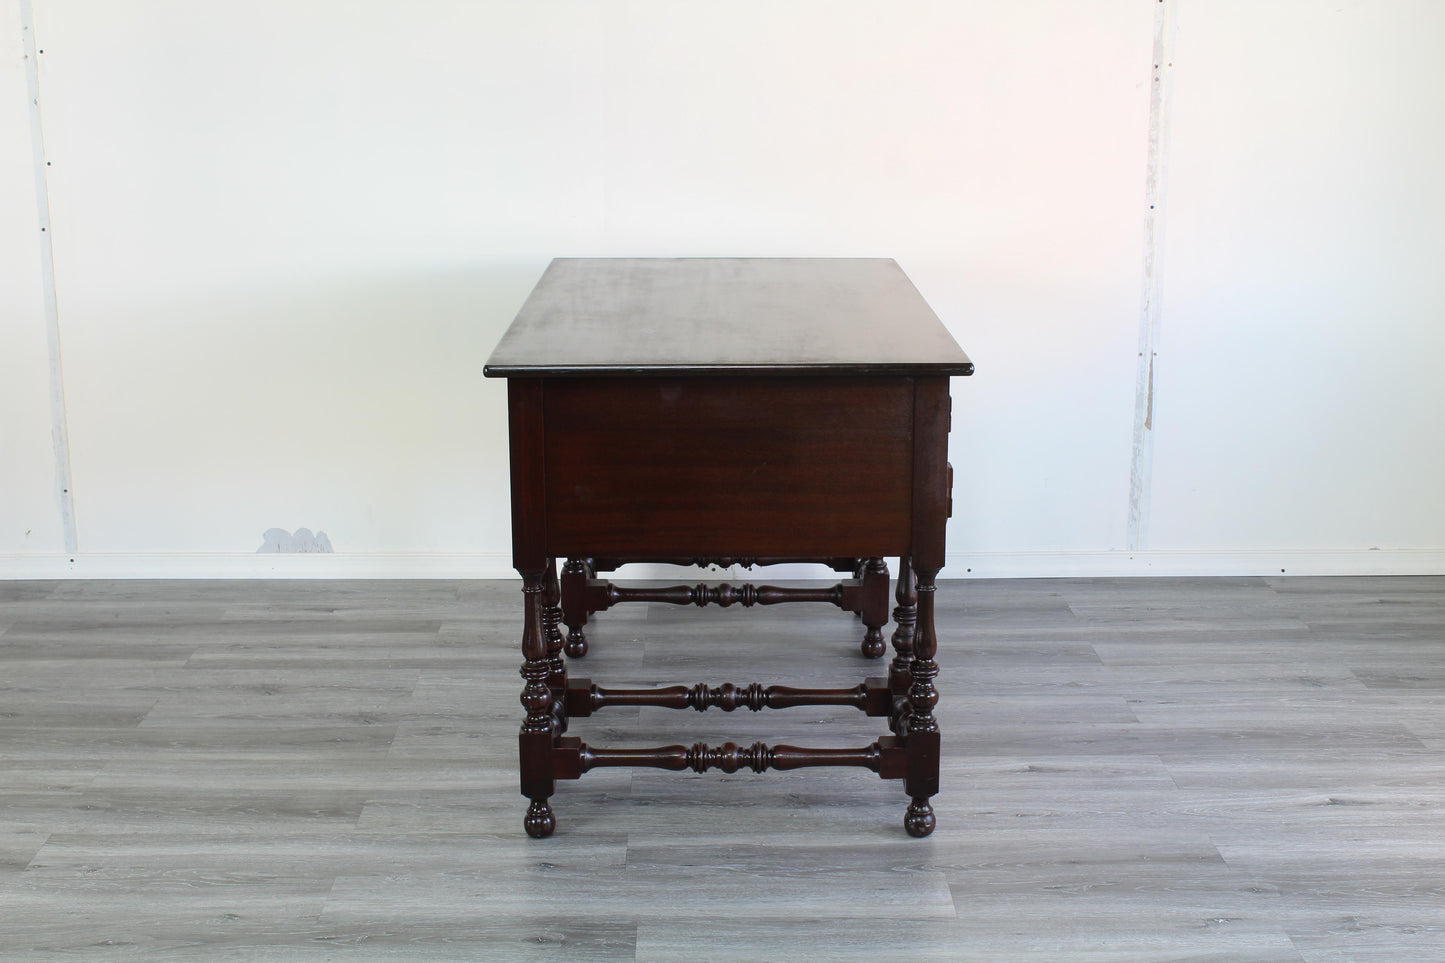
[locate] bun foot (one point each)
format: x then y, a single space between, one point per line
540 822
919 821
873 647
576 643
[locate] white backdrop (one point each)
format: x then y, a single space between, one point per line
286 235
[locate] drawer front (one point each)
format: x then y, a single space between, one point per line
728 466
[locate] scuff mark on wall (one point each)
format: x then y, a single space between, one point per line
301 540
1149 401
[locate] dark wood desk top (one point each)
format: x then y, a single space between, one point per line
710 316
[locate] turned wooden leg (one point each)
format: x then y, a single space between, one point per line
552 628
905 615
900 670
552 619
874 611
537 737
574 605
921 780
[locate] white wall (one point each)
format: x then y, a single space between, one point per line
286 236
1302 402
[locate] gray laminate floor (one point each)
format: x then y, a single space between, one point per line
1222 769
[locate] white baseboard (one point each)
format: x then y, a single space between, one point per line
331 565
1195 563
495 565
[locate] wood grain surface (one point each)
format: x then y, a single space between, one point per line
729 466
1133 770
681 316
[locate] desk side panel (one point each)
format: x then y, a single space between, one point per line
931 489
529 507
686 467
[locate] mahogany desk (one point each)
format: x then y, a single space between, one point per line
720 407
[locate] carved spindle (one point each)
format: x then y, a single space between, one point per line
922 696
905 615
539 727
921 782
536 696
727 697
574 605
836 563
724 562
726 594
729 757
552 622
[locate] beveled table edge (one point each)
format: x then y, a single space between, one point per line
959 369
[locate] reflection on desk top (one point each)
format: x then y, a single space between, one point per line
711 316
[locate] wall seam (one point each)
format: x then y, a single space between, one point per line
1146 382
59 431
